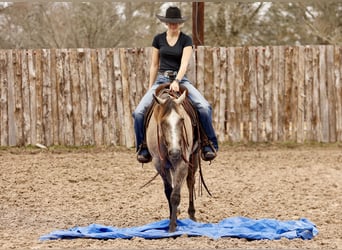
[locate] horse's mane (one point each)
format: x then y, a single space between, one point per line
167 107
164 92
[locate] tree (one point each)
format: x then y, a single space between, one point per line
276 23
233 24
133 24
71 24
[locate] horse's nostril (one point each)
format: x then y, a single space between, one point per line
174 153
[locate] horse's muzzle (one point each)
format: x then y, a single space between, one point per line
174 155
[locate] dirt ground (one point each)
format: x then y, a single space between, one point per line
47 190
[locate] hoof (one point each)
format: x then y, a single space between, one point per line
193 218
172 228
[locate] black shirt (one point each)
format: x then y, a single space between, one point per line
170 56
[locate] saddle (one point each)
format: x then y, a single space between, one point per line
199 134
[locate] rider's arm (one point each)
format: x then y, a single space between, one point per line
187 52
154 66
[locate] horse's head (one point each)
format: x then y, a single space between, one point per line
170 125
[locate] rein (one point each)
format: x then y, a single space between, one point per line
158 138
185 140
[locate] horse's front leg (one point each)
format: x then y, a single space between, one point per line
168 191
175 200
178 179
165 174
190 179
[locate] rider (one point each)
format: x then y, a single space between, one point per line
171 53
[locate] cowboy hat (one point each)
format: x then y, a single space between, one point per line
173 15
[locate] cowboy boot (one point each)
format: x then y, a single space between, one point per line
208 153
208 147
143 155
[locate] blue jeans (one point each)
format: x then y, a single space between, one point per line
203 107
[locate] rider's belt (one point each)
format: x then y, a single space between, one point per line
168 73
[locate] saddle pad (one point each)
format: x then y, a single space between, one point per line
237 227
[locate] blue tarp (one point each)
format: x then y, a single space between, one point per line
238 227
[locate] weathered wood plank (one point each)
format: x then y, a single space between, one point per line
331 92
32 96
293 103
39 96
127 120
338 86
268 75
146 66
89 129
47 99
54 97
238 80
231 95
81 66
111 98
253 83
140 72
323 94
274 93
75 97
300 96
191 72
132 77
222 114
316 115
3 99
208 75
60 61
12 123
26 99
288 93
98 129
260 94
67 97
215 102
308 83
200 69
18 98
86 105
104 95
246 92
281 95
119 98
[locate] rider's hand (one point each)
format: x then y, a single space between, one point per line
174 86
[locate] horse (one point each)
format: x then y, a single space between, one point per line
170 138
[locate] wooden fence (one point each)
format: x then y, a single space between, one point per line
87 96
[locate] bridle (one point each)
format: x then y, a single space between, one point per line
184 135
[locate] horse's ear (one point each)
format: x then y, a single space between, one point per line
158 99
182 97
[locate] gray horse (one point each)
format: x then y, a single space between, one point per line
170 140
